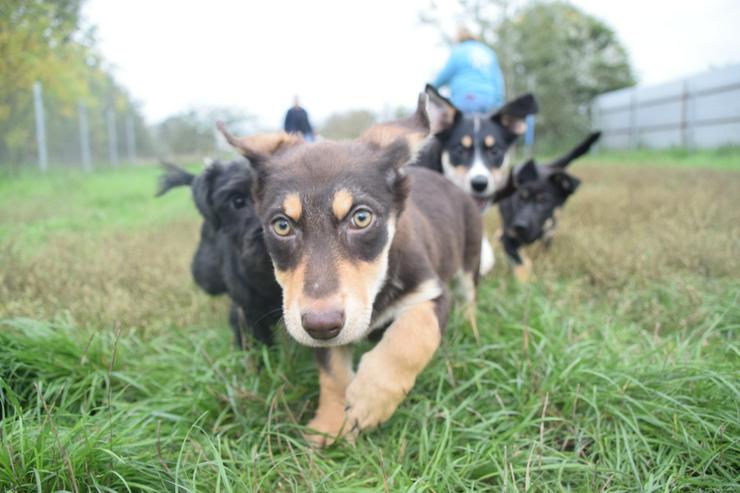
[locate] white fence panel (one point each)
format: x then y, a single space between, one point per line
700 111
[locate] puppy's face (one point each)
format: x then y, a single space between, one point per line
474 156
475 147
329 212
222 194
540 191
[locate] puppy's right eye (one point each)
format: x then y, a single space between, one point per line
238 201
361 219
524 194
282 227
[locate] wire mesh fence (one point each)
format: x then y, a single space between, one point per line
53 133
46 132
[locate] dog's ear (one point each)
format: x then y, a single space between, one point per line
526 172
512 115
202 190
258 148
401 140
413 129
565 182
441 113
174 176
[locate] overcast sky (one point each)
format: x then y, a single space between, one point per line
342 54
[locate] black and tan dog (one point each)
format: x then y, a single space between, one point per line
360 244
531 213
231 256
472 151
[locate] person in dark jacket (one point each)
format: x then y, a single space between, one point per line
296 121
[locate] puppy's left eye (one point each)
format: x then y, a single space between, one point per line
282 227
238 201
361 218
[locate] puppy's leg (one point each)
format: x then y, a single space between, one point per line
238 325
335 373
550 227
523 271
388 372
259 318
521 264
487 259
469 291
464 291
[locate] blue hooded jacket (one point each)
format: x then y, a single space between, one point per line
475 79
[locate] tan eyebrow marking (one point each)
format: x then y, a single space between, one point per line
489 141
467 141
341 203
292 206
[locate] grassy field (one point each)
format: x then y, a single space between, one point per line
617 369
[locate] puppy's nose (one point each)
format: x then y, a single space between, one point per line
479 183
323 324
520 228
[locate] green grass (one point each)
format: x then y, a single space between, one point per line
35 209
617 369
727 158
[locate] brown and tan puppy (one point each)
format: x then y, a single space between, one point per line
363 244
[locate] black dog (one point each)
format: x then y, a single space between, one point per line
471 150
531 213
231 256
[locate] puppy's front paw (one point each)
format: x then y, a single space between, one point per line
325 428
523 271
371 402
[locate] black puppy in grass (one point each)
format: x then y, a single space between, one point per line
231 256
531 213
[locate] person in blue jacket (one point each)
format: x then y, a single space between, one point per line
473 75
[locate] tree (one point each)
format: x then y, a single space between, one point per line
563 55
347 125
45 41
192 132
567 58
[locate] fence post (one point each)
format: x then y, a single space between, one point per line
634 134
38 104
596 123
112 137
687 116
130 139
84 139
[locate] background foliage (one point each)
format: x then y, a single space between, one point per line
553 49
47 41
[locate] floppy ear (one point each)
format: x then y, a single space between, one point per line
566 182
526 172
202 188
257 148
512 115
440 111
